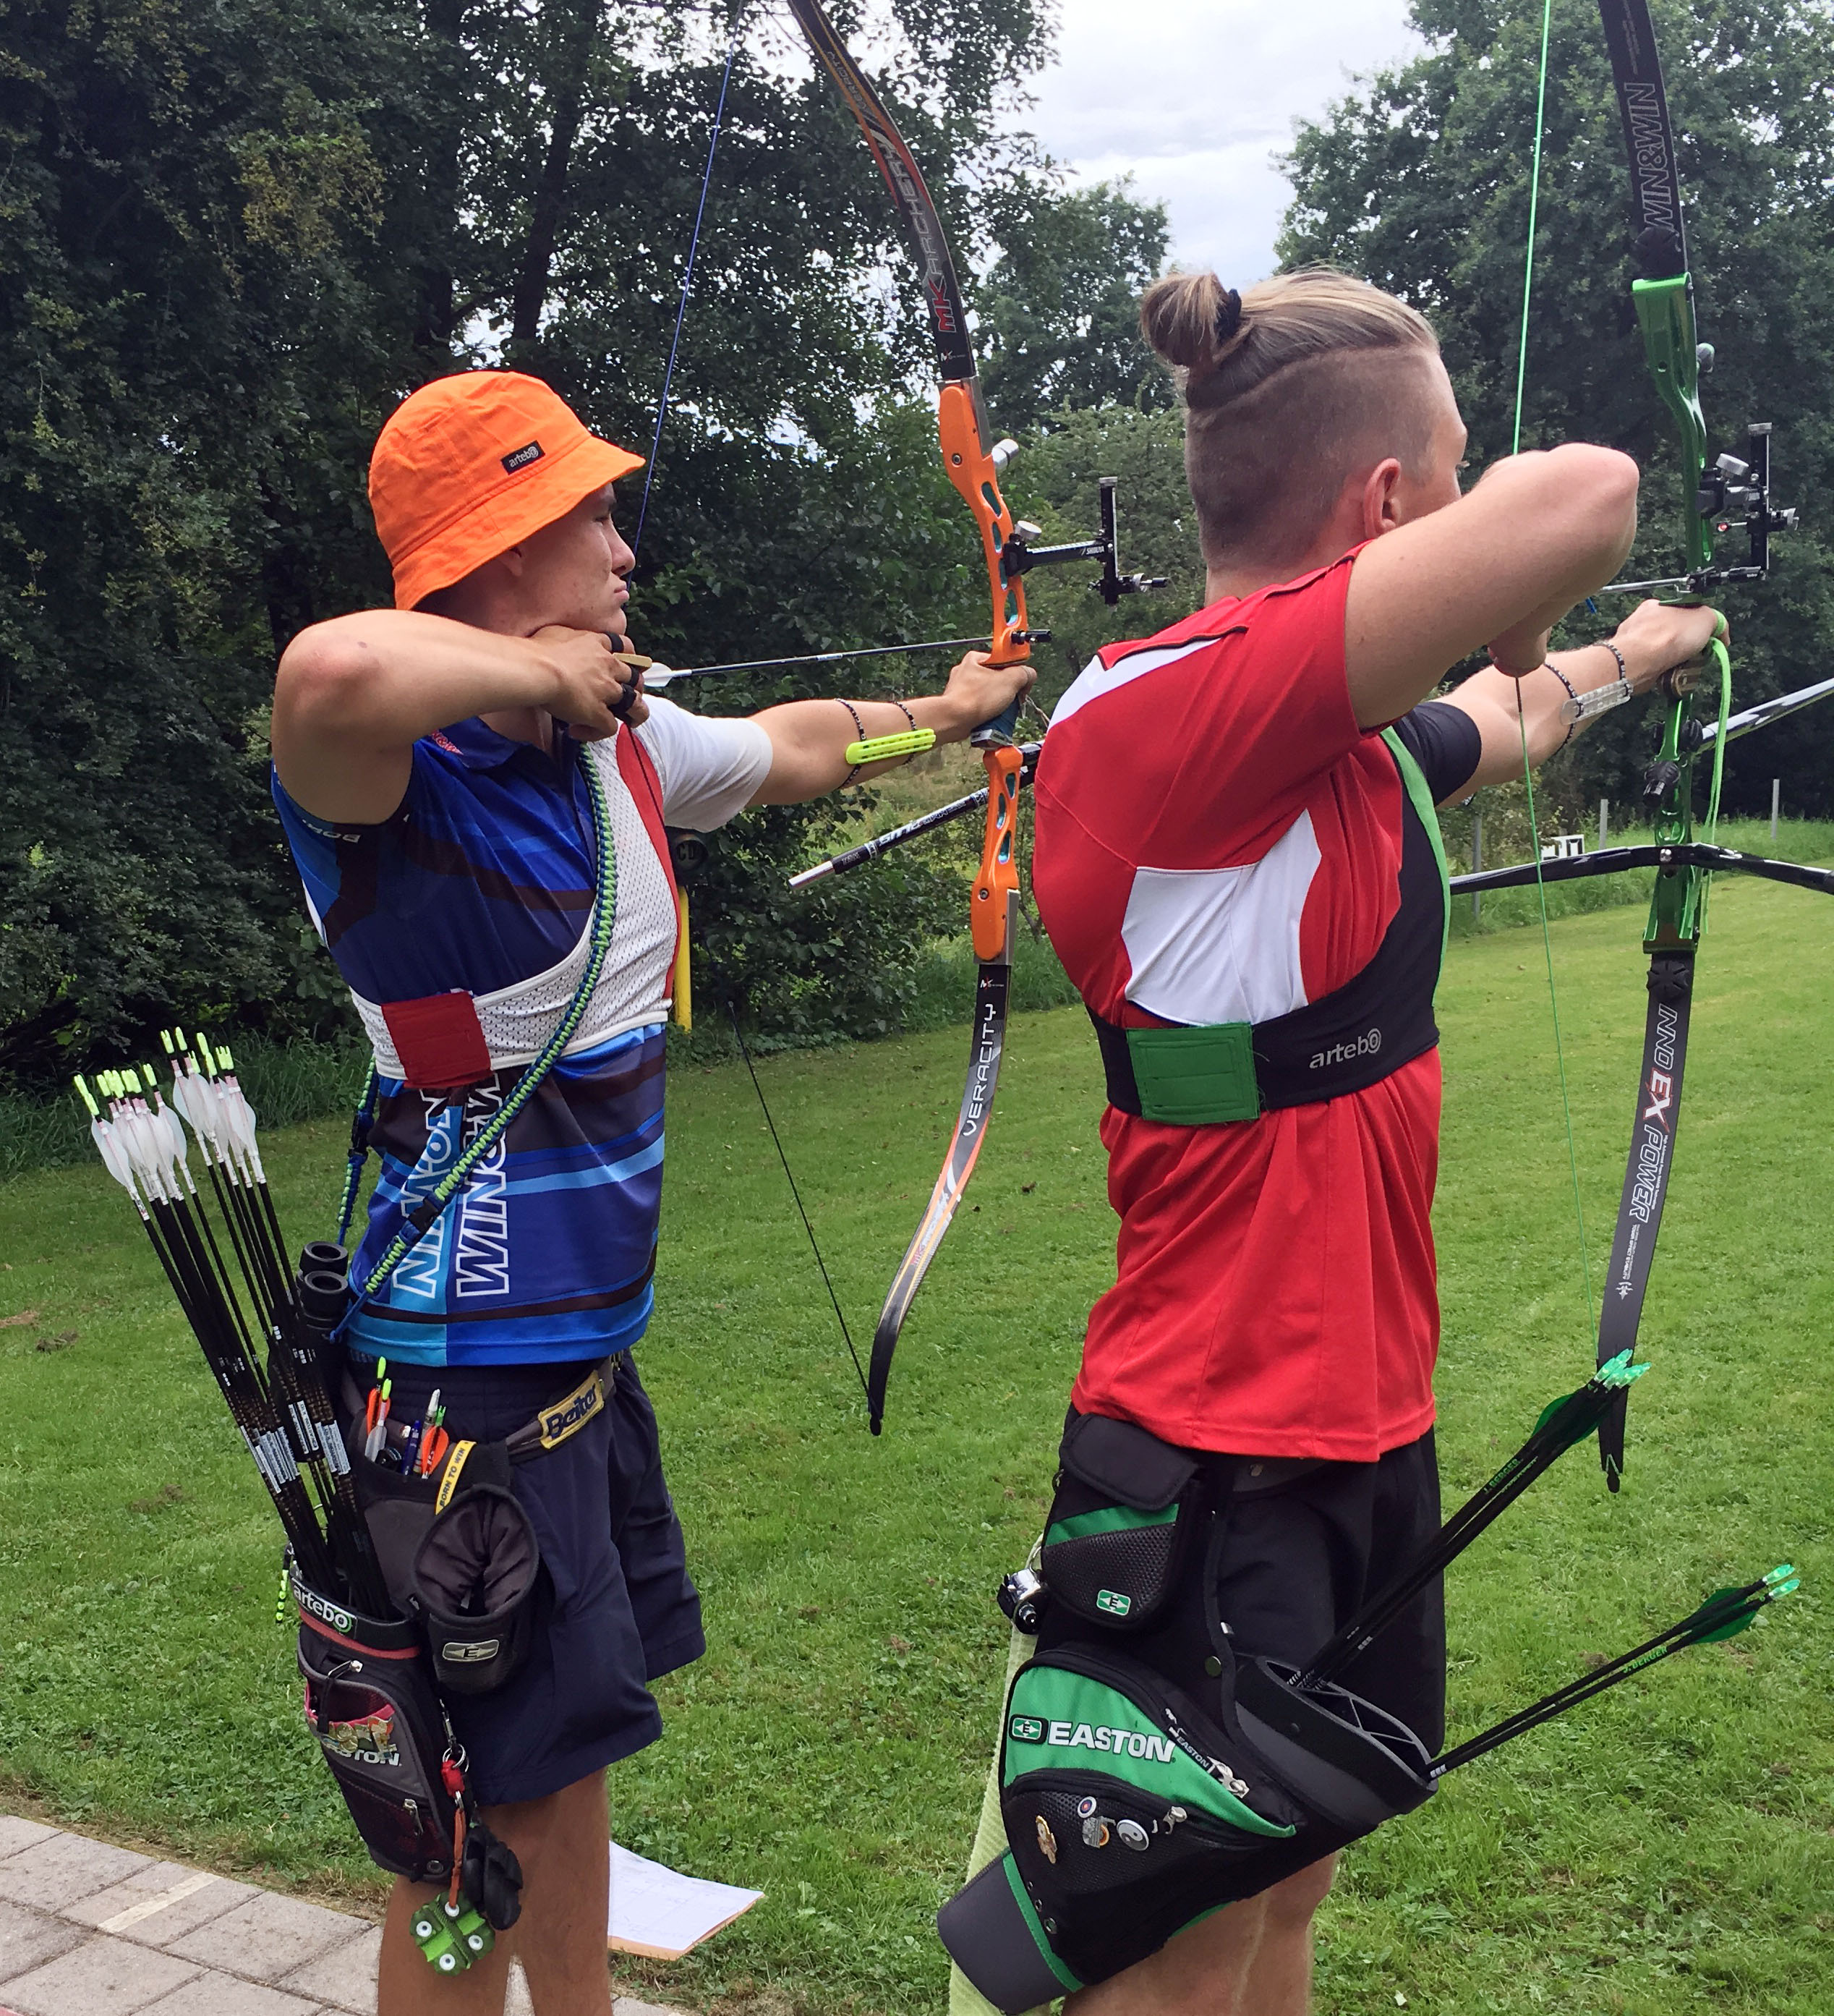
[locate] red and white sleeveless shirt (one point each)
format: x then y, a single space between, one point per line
1219 841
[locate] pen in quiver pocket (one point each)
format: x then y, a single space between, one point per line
399 1507
1126 1508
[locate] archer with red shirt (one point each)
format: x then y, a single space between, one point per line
1239 862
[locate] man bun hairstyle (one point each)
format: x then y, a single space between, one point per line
1289 388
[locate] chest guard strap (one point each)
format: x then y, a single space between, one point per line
1345 1040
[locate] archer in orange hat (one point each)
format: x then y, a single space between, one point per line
472 465
476 792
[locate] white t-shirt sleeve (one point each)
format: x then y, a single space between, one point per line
710 766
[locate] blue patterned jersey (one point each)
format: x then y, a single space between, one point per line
482 881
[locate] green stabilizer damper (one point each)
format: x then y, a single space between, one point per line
452 1937
882 748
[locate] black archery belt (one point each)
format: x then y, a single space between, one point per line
545 1431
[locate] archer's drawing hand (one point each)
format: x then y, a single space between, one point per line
1660 637
592 686
979 692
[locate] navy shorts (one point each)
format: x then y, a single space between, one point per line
618 1609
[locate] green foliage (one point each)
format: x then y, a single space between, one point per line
1060 309
192 349
234 236
1419 180
1056 484
1663 1852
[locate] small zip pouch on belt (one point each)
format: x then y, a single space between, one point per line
1126 1507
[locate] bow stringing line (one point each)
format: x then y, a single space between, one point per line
707 180
680 861
1534 831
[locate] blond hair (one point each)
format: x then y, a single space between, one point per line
1289 388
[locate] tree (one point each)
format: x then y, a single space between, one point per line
196 314
1419 181
1061 307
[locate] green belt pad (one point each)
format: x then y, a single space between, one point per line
1194 1078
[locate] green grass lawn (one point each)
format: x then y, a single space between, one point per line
1665 1851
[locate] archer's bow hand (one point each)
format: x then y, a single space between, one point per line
978 692
1659 637
593 688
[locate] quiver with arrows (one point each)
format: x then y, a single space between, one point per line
1149 1771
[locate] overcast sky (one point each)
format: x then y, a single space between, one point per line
1193 98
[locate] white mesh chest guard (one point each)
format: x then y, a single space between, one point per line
633 989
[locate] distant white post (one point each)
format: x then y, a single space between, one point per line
1604 824
1476 857
1776 800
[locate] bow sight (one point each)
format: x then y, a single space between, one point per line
1018 555
1728 487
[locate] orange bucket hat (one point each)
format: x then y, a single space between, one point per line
469 465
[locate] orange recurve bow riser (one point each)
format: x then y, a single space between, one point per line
962 426
999 867
973 467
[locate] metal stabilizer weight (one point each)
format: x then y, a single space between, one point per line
451 1937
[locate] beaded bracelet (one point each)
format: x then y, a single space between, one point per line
1572 694
859 734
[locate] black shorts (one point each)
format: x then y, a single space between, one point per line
1303 1554
623 1611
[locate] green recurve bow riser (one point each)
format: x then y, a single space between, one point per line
1665 313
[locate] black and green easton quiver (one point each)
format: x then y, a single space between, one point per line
1130 1813
1148 1774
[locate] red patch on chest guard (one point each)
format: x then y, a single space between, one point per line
439 1040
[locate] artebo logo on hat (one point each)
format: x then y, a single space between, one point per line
470 465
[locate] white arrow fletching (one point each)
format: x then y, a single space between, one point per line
114 1156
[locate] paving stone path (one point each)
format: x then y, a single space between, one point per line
90 1929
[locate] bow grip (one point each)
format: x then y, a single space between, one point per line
998 733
